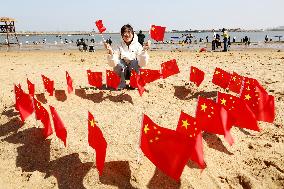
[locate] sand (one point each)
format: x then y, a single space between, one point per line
256 159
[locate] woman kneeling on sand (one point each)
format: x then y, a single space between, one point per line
129 56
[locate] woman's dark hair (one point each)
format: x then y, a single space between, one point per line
126 27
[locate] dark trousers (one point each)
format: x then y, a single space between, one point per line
213 45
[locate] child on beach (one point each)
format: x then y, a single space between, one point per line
129 56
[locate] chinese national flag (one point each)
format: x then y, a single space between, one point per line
169 68
188 127
196 75
48 85
95 78
112 79
59 127
24 103
239 111
150 75
97 141
157 32
31 88
43 115
18 92
258 100
100 26
221 78
213 118
136 81
165 148
235 83
69 83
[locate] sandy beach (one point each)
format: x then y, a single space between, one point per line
27 160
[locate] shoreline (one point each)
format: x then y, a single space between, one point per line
21 33
276 45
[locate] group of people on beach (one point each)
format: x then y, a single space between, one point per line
216 42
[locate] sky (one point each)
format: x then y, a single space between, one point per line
80 15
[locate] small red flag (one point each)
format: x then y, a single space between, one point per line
150 75
169 68
213 118
258 100
43 115
202 49
221 78
112 79
157 32
95 78
100 26
164 148
136 81
31 88
187 126
97 141
69 83
239 111
59 127
235 83
24 104
196 75
48 85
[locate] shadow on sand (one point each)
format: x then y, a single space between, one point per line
184 93
213 141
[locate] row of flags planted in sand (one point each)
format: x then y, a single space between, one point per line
169 150
26 104
168 68
249 90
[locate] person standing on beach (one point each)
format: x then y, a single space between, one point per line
141 37
214 41
129 56
266 39
109 41
225 39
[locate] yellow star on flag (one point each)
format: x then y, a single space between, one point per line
203 107
146 129
185 123
247 97
92 122
223 101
